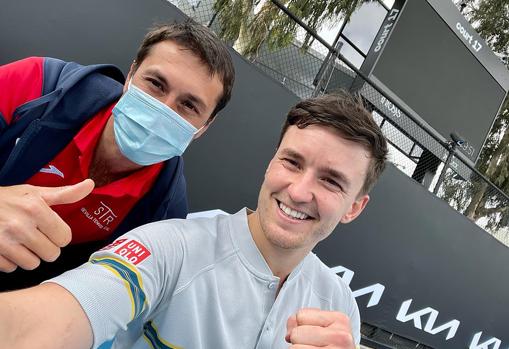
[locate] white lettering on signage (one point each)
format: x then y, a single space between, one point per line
403 316
452 326
468 37
347 273
467 148
390 107
376 290
387 28
484 345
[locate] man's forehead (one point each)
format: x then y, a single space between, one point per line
165 49
294 134
327 148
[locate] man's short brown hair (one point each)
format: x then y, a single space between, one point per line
347 115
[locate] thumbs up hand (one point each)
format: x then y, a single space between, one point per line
29 229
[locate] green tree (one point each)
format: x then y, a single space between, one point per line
490 18
240 23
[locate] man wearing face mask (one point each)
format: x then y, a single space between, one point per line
85 157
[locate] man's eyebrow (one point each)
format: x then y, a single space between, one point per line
338 176
196 100
157 74
292 153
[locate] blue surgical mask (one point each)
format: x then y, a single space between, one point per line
147 131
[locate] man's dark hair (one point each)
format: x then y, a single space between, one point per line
347 115
203 43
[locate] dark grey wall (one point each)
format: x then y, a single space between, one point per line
86 32
419 248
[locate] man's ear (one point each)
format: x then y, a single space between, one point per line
205 127
356 209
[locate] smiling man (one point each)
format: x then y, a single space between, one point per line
247 280
62 123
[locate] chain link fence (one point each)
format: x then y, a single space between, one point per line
414 149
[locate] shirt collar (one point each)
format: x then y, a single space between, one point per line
87 138
86 141
248 251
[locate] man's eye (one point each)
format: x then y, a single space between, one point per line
290 163
155 83
190 106
333 184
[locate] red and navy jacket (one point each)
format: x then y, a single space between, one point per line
39 129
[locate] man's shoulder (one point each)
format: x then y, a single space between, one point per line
195 244
193 231
176 239
25 64
326 282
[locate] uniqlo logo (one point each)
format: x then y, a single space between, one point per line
133 251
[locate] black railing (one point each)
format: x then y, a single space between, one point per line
417 149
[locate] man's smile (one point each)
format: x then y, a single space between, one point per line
292 213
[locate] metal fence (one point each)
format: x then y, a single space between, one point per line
414 148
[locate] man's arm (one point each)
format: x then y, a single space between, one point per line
44 317
20 82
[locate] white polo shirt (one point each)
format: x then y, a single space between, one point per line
198 283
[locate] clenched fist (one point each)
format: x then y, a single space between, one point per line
314 328
29 229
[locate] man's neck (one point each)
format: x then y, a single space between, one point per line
280 261
108 163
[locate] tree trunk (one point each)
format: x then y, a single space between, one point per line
477 203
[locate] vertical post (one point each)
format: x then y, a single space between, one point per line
452 151
331 57
326 70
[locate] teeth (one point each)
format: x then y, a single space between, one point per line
292 213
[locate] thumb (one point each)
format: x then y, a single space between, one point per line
67 194
290 325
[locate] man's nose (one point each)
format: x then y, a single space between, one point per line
301 188
171 101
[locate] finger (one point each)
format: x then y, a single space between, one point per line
53 227
21 256
290 325
42 219
319 336
6 265
67 194
43 247
318 317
